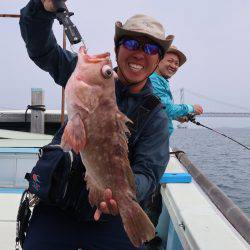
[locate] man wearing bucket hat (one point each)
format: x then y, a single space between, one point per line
140 33
168 66
71 223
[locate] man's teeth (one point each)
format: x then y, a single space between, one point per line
135 67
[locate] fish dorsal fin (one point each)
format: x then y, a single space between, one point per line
131 180
121 120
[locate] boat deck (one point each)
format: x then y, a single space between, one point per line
8 206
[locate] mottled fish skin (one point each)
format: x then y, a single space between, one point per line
96 129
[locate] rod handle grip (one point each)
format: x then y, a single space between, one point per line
59 5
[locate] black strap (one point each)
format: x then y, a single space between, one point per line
32 107
22 222
141 116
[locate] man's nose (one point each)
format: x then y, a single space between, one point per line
139 54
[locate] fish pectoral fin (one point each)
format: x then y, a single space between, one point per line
95 191
74 136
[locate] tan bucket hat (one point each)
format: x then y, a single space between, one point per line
143 25
182 57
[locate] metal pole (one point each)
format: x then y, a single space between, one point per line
10 15
37 115
63 91
231 211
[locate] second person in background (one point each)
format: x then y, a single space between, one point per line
169 65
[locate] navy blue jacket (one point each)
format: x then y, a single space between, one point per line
150 154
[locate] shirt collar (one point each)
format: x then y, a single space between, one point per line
159 76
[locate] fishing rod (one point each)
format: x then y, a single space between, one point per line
63 16
191 118
72 33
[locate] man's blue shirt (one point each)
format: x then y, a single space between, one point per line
161 88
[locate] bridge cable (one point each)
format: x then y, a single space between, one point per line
214 100
191 118
7 109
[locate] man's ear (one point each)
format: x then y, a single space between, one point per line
158 69
158 62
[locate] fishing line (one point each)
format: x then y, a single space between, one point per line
191 118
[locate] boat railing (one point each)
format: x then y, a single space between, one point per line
191 219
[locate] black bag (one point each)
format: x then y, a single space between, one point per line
55 180
58 179
48 180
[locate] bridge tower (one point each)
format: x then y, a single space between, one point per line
182 101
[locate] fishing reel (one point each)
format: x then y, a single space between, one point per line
191 117
63 16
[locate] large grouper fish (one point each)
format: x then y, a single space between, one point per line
96 129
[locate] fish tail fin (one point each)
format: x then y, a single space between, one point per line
74 136
136 223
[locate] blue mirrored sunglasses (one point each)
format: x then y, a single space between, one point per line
148 48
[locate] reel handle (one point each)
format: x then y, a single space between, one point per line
191 117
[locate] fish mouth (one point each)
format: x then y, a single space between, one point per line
98 58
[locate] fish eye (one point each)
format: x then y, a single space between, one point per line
107 71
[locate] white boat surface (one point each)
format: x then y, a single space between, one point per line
190 220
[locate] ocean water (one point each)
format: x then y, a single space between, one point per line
224 162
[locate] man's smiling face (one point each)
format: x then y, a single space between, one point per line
135 65
169 65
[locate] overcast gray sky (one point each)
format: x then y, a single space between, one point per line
213 34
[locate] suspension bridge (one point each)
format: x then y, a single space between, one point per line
246 113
